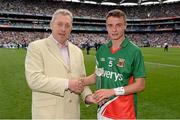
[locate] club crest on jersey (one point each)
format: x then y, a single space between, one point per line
121 62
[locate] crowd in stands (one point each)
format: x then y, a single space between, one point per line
83 10
155 39
141 26
11 39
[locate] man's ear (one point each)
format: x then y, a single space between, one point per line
51 25
125 26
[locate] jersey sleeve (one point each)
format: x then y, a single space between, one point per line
138 65
98 66
97 57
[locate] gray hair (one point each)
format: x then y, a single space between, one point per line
62 12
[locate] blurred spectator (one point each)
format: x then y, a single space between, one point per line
14 39
89 10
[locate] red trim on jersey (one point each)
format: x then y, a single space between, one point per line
131 80
122 107
114 50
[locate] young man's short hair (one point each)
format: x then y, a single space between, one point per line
116 13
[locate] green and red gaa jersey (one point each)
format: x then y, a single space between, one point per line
119 69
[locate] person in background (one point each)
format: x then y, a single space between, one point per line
165 47
88 47
52 67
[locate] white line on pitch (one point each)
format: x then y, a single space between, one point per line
168 65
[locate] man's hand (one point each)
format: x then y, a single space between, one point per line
75 86
102 94
90 99
102 102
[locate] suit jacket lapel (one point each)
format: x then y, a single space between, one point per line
54 49
71 54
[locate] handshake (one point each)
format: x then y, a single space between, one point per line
76 85
98 97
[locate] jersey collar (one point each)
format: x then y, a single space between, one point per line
124 43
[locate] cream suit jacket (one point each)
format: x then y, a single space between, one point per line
47 73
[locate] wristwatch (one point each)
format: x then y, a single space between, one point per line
119 91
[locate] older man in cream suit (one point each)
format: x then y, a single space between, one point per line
53 66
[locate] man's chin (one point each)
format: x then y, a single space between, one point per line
63 38
115 38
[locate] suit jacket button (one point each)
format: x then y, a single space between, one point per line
70 101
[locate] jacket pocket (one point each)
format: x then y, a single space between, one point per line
44 109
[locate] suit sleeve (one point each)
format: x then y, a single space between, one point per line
86 91
34 71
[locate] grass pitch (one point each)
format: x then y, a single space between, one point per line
159 100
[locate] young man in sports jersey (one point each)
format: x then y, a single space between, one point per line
120 72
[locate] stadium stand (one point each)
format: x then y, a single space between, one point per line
23 21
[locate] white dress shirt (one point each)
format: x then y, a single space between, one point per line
63 48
